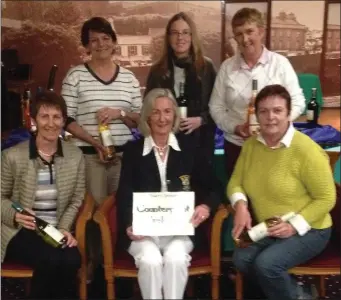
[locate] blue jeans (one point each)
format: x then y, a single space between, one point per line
269 260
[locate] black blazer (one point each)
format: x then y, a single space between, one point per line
141 174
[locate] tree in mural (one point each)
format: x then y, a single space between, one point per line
157 47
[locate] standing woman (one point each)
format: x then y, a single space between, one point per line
183 62
100 92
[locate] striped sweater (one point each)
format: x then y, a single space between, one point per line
85 93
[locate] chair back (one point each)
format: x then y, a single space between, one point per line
335 212
111 218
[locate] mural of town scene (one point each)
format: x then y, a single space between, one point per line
48 32
298 34
331 72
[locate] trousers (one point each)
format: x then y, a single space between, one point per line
55 270
162 264
269 260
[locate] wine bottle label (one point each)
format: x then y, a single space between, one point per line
288 216
53 232
183 112
258 232
253 124
106 138
310 115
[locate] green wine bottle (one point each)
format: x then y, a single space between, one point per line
46 231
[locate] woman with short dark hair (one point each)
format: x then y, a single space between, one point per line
100 92
279 172
45 176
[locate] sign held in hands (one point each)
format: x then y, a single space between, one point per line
163 213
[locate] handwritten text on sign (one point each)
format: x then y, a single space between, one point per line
163 214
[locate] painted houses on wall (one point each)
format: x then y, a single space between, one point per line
333 38
287 34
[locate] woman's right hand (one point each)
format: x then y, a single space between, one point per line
132 236
242 130
25 221
242 219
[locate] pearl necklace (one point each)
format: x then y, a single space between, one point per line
45 154
161 150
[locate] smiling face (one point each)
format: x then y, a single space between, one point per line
180 38
49 122
101 46
162 118
273 116
249 38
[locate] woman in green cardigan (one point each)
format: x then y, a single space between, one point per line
278 172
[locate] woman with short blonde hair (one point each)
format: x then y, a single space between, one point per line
147 109
157 163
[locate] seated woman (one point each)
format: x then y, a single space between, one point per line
281 171
156 163
45 176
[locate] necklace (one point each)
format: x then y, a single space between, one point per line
45 154
161 150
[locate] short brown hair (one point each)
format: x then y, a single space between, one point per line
48 98
247 15
96 24
273 90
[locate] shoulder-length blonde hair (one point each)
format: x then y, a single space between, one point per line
162 65
148 106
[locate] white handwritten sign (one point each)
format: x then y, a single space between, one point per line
163 214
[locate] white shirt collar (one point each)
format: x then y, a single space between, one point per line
286 139
264 59
149 144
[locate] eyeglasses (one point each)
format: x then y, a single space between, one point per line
185 34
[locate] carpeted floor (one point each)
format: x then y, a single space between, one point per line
14 289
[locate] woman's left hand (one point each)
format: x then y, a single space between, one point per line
201 213
282 230
71 241
106 114
190 124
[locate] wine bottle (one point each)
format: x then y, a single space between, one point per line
182 101
313 108
49 233
27 120
251 111
260 231
52 76
107 142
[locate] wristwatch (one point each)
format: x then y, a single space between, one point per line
123 113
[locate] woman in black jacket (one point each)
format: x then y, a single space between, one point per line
164 162
182 62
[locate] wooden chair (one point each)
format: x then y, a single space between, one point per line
327 262
11 269
118 263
